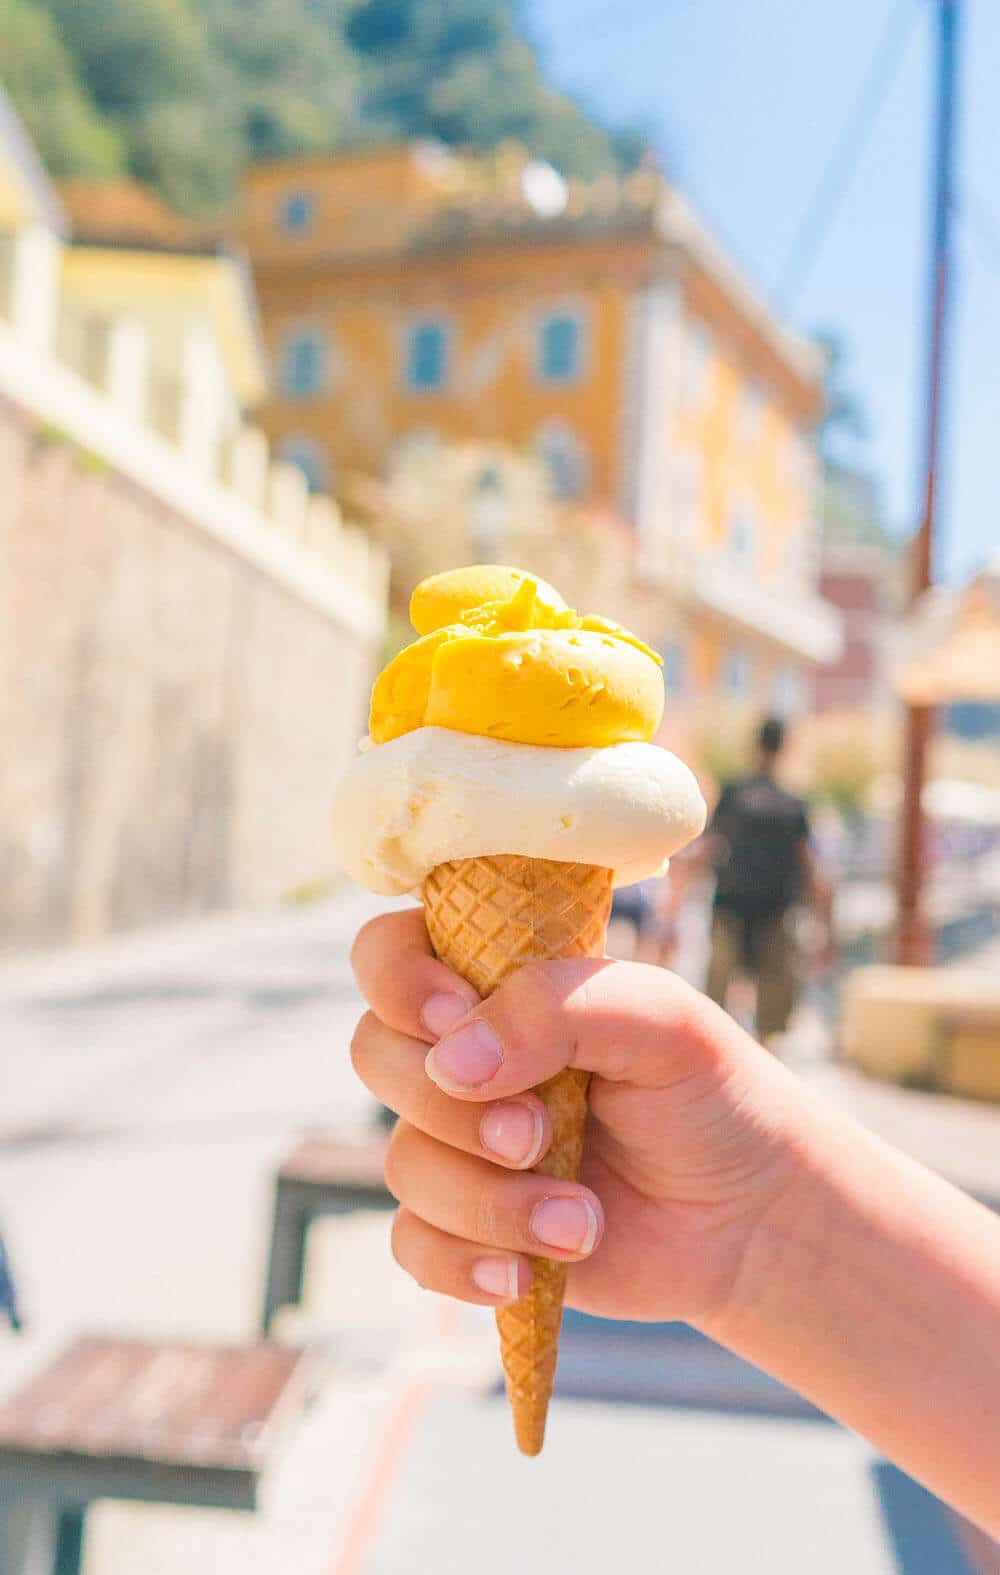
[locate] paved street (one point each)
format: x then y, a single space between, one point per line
150 1087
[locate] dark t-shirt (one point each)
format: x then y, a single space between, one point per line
762 829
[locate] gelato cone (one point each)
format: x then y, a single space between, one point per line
485 918
512 784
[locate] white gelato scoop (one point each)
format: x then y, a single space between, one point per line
435 794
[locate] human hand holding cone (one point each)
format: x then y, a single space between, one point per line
513 785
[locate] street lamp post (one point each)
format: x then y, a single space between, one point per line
913 939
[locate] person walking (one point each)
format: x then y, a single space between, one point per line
649 910
758 842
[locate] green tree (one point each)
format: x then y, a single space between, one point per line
845 424
182 92
132 53
40 76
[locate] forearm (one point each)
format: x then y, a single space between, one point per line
873 1288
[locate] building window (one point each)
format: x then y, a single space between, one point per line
742 535
736 672
674 667
311 459
560 346
788 696
565 459
801 559
801 461
296 212
751 413
697 362
687 495
426 355
303 363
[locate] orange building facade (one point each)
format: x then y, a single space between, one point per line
409 295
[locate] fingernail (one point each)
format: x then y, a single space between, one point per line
569 1223
466 1059
496 1277
514 1132
441 1012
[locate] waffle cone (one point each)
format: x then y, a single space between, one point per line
486 917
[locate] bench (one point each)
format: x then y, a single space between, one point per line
321 1176
129 1419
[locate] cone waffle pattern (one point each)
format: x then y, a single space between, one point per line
486 917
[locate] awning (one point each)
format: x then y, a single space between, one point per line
949 647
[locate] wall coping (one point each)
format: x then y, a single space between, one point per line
59 398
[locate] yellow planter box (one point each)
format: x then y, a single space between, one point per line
933 1026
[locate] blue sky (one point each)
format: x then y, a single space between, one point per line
746 99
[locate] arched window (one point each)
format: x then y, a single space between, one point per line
565 459
310 457
304 360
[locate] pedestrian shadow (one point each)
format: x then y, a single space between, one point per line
921 1531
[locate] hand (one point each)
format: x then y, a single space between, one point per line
687 1146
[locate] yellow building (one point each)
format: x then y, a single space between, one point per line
32 227
161 317
409 295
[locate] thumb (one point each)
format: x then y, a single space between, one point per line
625 1022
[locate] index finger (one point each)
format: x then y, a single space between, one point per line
403 982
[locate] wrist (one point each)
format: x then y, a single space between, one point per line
787 1251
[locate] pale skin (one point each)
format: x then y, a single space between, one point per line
714 1188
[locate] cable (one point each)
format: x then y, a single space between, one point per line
842 164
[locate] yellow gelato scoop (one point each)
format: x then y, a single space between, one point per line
519 665
446 598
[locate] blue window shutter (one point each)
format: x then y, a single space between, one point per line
426 355
559 358
302 371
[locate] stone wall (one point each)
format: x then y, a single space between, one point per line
172 717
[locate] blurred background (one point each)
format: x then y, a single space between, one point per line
692 309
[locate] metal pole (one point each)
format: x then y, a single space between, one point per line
913 939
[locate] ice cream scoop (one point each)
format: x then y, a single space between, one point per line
522 669
434 795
